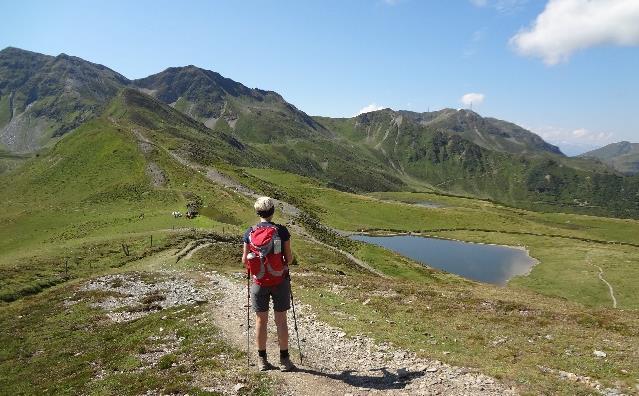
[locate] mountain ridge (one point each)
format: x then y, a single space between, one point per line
622 156
42 97
211 98
455 151
495 134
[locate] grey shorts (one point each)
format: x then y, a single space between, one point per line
261 296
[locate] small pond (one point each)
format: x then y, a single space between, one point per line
484 263
429 204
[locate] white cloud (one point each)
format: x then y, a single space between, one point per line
580 133
567 26
573 141
509 6
477 35
369 108
472 48
502 6
565 135
474 99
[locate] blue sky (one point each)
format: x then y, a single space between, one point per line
576 88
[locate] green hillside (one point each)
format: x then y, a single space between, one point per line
116 179
489 133
448 162
108 180
285 137
622 156
253 114
43 97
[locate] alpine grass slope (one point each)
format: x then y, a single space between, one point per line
622 156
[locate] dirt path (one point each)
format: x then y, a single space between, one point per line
290 210
223 180
610 289
336 364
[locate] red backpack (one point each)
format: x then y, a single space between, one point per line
265 258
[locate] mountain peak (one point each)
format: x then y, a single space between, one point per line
49 96
489 133
622 156
16 50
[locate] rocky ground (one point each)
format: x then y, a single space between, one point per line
336 364
131 296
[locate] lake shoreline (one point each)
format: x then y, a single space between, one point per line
431 236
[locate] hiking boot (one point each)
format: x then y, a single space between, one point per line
263 364
286 364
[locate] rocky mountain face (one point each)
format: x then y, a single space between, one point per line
212 119
43 97
622 156
221 103
418 147
489 133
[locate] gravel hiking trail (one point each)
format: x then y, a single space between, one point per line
334 362
337 364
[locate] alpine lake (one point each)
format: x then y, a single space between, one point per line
484 263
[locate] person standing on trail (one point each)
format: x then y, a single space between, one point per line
266 255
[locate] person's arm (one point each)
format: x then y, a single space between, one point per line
244 253
288 252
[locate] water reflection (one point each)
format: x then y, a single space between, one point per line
430 204
484 263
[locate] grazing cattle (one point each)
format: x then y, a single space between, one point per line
191 214
176 214
191 210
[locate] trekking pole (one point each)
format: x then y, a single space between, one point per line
297 333
248 316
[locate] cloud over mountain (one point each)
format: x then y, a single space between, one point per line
573 141
369 108
473 98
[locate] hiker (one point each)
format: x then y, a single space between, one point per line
270 279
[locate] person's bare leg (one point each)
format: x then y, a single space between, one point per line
282 337
282 329
261 321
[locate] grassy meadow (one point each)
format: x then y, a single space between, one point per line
568 246
512 334
69 211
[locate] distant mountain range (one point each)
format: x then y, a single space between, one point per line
210 119
622 156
